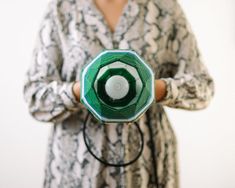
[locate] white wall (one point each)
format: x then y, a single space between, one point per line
206 138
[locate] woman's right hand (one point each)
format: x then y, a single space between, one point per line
76 90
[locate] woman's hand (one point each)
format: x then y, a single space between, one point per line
160 90
76 90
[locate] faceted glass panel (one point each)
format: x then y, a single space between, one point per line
124 65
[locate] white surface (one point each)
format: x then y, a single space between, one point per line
206 138
117 87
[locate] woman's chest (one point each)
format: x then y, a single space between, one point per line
140 28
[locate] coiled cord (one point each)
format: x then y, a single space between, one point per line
88 116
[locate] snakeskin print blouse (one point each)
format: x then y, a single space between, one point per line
71 34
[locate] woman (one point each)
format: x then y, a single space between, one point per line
71 34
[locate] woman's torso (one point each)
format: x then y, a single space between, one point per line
145 26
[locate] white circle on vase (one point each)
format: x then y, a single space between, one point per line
117 87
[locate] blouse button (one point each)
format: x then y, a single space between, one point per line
115 44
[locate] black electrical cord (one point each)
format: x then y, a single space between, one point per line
104 161
152 145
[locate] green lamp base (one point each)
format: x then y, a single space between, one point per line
117 86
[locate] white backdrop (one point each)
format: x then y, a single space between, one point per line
206 138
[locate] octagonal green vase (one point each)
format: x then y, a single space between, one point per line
117 86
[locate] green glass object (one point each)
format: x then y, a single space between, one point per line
117 86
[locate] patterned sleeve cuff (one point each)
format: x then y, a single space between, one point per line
171 92
68 97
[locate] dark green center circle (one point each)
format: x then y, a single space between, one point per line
101 92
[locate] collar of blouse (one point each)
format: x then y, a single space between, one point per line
94 18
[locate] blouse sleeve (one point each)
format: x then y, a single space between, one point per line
49 98
192 87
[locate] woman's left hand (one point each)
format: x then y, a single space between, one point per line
160 90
